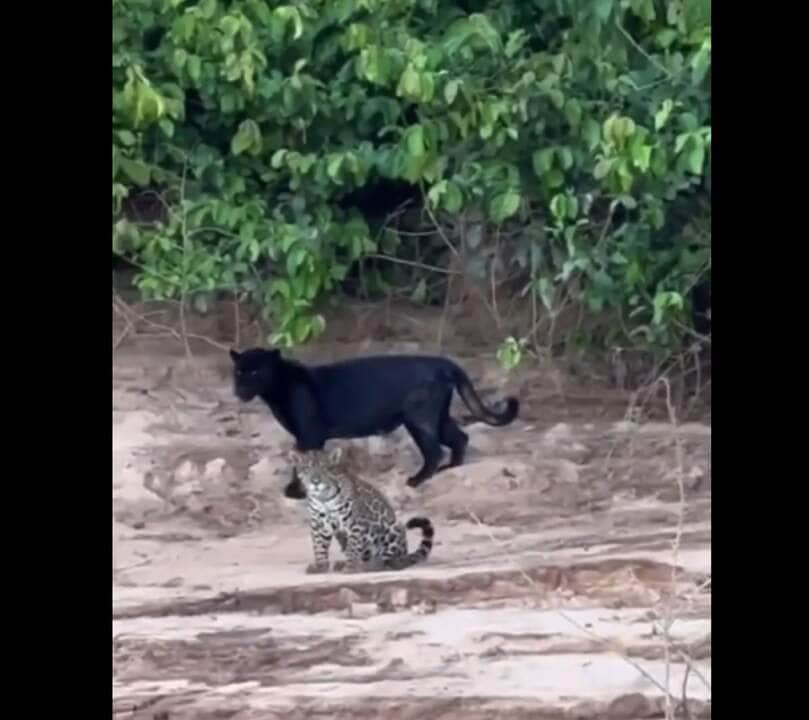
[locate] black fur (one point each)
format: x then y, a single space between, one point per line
427 531
363 397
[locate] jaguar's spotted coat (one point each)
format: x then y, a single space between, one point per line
358 515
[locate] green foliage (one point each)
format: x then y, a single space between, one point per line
583 124
510 352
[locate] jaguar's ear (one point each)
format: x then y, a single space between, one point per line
335 455
234 355
294 457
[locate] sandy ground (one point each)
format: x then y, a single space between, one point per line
554 589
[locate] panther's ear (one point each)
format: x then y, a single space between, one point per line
294 457
234 355
335 455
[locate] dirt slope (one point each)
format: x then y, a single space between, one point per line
547 595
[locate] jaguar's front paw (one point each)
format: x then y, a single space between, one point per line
317 568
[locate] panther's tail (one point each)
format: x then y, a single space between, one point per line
471 399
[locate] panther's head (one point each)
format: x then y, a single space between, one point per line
255 371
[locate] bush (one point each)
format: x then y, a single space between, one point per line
573 134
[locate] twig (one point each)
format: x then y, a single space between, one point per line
567 618
122 306
186 246
412 263
662 68
444 312
492 283
684 695
128 328
441 233
236 321
454 250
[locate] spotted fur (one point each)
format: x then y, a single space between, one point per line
357 515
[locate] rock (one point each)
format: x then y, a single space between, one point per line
186 472
214 469
425 607
346 597
558 433
376 445
261 472
361 610
399 598
632 705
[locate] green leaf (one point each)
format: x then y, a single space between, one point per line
559 207
411 167
689 121
207 9
414 141
641 154
296 256
409 84
591 133
557 98
572 207
194 67
662 115
516 41
435 192
565 158
545 289
453 198
180 58
149 106
126 138
656 218
625 128
625 176
701 63
427 88
372 65
626 200
317 324
247 138
167 126
573 111
663 300
451 91
138 172
666 37
644 9
291 14
696 155
288 239
603 9
542 161
333 167
554 178
278 158
357 36
504 205
301 329
509 353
